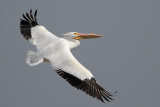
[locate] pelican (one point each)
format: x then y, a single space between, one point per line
57 51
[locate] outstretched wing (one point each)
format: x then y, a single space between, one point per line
37 35
66 65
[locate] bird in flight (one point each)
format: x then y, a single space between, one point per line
57 51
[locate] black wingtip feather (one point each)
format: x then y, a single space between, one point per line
89 86
27 23
35 14
31 15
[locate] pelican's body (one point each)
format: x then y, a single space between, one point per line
57 51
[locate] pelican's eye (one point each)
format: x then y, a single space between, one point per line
75 33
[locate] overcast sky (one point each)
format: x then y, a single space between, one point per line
126 59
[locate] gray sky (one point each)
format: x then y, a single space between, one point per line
126 59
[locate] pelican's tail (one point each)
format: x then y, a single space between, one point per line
33 59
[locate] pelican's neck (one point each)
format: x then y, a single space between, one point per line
72 43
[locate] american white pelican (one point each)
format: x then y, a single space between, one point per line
57 51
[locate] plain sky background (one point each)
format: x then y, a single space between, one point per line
126 59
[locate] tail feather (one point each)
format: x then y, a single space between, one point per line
33 59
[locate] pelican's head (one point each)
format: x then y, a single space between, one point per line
78 36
